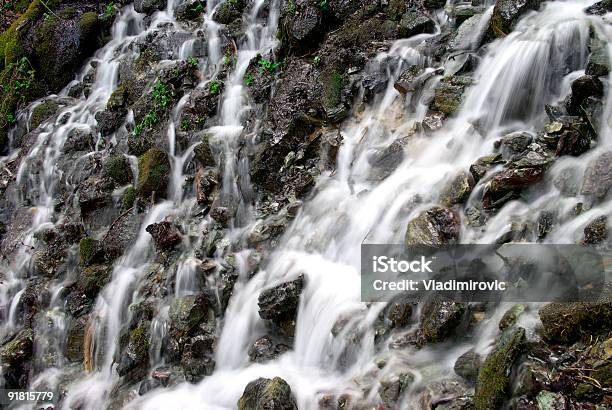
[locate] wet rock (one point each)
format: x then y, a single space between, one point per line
279 304
266 348
493 382
458 190
221 214
439 318
301 30
392 388
463 38
95 193
43 112
582 88
201 106
196 368
547 400
269 394
467 366
153 173
448 95
50 255
229 11
187 312
135 359
109 121
16 355
413 23
433 121
506 13
531 378
75 339
149 6
511 316
598 177
546 221
515 143
598 64
165 235
435 226
121 234
90 251
78 140
600 8
118 168
434 4
386 160
206 182
483 164
396 315
596 231
506 185
535 156
203 153
446 394
189 10
568 322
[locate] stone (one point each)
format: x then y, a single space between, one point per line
392 388
279 304
568 322
598 64
413 23
165 235
598 177
483 164
582 88
15 356
600 8
511 316
448 96
439 318
118 168
187 312
467 366
267 394
435 226
596 231
506 13
149 6
265 349
457 190
493 382
547 400
506 184
153 173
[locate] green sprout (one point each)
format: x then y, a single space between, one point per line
249 79
192 61
199 8
214 87
268 66
317 60
110 9
10 118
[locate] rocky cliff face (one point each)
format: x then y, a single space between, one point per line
185 186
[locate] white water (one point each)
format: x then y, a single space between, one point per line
518 74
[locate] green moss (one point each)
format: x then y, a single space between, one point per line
88 248
42 112
89 24
493 383
139 342
568 322
118 168
604 375
153 173
333 90
94 278
129 197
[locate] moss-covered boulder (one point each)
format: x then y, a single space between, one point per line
15 356
493 382
135 359
42 112
457 190
90 251
153 173
118 168
129 197
448 95
439 318
203 153
506 13
268 394
149 6
568 322
228 11
187 312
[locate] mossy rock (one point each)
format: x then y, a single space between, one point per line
448 96
119 169
267 394
153 173
187 312
493 382
93 279
42 112
89 251
129 197
139 342
203 153
568 322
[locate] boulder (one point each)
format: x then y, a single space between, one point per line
568 322
493 382
302 30
435 226
266 348
448 96
392 388
507 184
582 88
413 23
596 231
600 8
483 164
153 173
90 251
187 312
467 366
598 64
149 6
95 193
229 11
279 304
16 355
118 168
457 190
506 13
511 316
439 318
165 235
203 153
267 394
42 112
598 176
135 359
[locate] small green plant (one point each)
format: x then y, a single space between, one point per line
46 16
323 5
248 79
184 124
199 8
161 101
317 60
10 119
110 9
233 2
227 58
24 77
214 87
192 61
267 65
161 94
291 9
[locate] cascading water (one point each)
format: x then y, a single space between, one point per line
516 76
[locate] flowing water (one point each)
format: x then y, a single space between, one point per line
517 75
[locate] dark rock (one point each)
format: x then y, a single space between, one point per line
109 121
505 184
78 140
75 339
195 368
153 173
268 394
165 235
90 251
515 143
302 30
598 64
43 112
493 383
118 168
16 355
600 8
121 234
483 164
582 88
149 6
396 315
265 349
439 318
511 316
386 160
435 226
596 231
95 193
229 11
392 388
135 359
434 4
568 322
203 153
467 366
189 10
433 121
458 190
531 378
205 183
279 304
598 177
506 13
413 23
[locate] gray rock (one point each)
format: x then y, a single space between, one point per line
279 304
267 394
598 176
413 23
435 226
439 318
